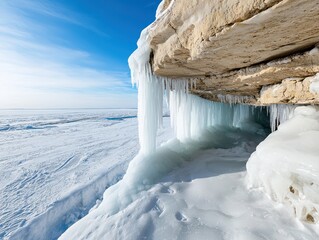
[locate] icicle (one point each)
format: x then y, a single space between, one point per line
193 83
191 115
279 113
234 99
150 94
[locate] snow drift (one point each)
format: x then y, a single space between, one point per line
193 190
286 164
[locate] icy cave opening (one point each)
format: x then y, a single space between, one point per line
191 116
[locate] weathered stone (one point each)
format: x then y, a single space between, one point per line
249 81
291 90
201 37
235 47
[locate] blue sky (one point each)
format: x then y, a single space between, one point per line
69 53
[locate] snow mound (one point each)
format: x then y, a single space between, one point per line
286 164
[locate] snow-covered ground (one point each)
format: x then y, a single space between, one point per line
194 190
55 164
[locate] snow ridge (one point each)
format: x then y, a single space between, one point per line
63 213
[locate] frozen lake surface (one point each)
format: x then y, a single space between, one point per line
55 164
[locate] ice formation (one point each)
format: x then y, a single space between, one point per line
286 164
150 88
279 113
276 165
150 94
233 99
191 115
160 12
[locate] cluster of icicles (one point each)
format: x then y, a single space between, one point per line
233 99
190 115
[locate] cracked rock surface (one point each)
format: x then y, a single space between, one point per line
237 47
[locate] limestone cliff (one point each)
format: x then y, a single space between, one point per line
264 50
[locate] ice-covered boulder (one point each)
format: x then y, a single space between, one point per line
286 164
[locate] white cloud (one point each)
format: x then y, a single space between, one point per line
34 74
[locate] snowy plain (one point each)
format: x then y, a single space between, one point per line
55 164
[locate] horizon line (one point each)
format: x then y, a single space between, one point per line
63 108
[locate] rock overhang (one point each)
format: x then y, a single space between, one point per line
237 47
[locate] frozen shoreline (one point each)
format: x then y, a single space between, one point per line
66 165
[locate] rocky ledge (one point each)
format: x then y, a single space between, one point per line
261 50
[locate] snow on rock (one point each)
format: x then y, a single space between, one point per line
150 88
163 8
314 86
286 164
150 94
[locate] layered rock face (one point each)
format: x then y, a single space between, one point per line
264 50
